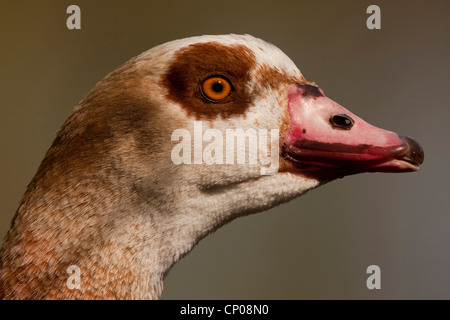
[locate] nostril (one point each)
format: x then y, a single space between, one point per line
342 121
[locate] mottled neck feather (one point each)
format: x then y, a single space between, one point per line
78 210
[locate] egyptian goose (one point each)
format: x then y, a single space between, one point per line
109 199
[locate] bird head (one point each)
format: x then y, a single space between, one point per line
182 98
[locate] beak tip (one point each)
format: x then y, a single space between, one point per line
414 151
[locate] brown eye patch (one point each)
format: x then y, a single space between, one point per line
196 63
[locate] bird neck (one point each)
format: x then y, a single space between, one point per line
122 245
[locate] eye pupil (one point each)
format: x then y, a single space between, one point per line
217 87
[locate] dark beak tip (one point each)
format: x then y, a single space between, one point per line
414 150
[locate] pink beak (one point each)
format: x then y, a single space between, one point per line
327 141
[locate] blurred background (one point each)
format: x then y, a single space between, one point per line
319 245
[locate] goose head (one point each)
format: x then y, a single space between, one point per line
148 164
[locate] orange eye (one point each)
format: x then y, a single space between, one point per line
216 88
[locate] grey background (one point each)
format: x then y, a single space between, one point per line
318 246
